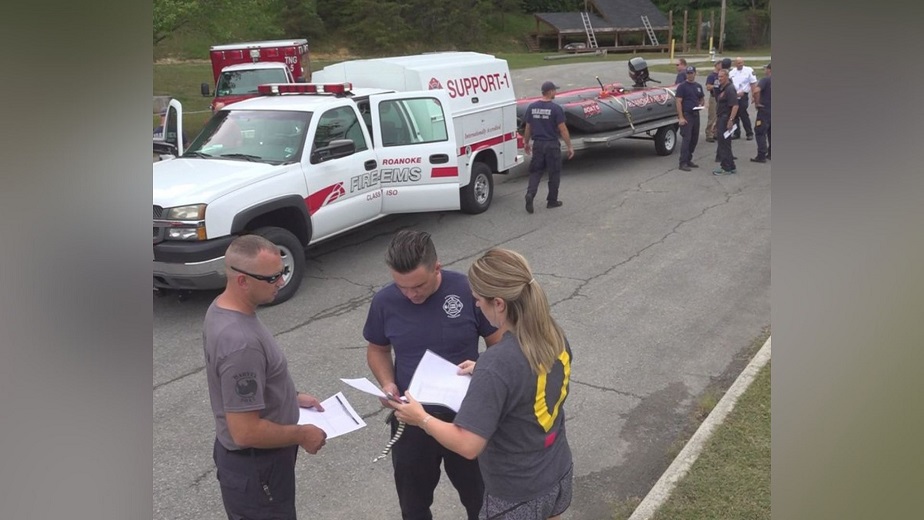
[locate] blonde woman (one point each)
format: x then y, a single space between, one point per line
512 418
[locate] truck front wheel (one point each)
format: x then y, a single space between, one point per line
476 197
666 139
293 257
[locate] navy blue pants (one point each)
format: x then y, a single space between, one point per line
257 484
743 118
689 135
416 459
724 148
546 158
762 133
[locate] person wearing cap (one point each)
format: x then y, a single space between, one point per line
681 71
744 80
689 95
726 110
712 81
762 123
545 125
161 128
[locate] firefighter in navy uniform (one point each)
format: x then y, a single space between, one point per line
690 100
762 124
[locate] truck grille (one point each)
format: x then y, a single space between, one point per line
158 231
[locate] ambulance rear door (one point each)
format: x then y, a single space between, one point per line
416 147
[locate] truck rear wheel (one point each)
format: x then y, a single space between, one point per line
476 197
666 140
293 256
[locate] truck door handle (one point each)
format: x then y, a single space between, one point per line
439 158
370 164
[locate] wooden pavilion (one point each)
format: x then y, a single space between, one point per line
614 25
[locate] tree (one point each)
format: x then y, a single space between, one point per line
299 18
171 15
220 19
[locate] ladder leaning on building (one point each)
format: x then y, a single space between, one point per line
591 38
651 33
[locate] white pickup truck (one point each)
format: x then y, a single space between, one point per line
307 161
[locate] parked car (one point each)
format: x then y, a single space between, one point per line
574 47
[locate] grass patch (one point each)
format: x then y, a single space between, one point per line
731 477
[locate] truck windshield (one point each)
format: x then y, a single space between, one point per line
246 81
270 136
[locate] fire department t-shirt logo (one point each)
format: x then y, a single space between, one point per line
453 306
435 84
245 385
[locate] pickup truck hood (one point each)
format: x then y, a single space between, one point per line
201 181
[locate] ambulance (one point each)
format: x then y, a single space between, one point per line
304 162
238 68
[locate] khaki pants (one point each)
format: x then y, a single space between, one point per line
710 122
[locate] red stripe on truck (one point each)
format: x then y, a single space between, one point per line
487 143
449 171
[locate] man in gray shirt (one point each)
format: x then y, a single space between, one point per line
252 394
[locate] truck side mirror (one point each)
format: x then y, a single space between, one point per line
205 89
336 148
301 79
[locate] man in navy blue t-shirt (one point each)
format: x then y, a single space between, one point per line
762 124
681 71
426 307
545 123
690 100
712 81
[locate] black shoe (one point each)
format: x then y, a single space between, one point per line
685 167
750 137
758 159
529 204
553 204
692 165
710 139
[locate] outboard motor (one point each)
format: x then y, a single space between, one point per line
638 71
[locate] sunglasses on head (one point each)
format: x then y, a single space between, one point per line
263 278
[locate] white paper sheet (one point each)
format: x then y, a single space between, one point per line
698 107
437 381
730 131
338 416
365 385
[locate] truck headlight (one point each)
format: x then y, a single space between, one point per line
193 212
183 223
186 233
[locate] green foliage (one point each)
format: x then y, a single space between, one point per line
377 34
299 19
552 6
219 21
171 15
186 28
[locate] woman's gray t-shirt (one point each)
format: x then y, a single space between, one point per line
522 416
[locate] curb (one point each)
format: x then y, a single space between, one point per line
685 459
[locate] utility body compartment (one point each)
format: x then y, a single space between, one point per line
481 97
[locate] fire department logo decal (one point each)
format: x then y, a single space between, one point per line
435 84
453 306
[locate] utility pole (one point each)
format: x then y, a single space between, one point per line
722 30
